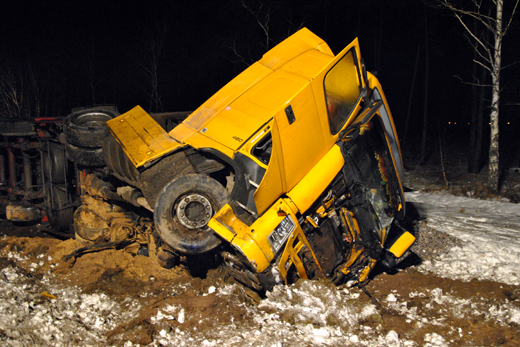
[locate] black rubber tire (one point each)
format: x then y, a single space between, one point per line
59 210
54 162
85 156
87 127
186 240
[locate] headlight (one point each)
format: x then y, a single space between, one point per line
281 233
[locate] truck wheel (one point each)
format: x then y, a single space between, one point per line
54 163
59 210
87 128
183 210
85 156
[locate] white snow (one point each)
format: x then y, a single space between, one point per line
312 313
490 231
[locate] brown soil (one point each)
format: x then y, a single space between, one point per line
119 274
477 331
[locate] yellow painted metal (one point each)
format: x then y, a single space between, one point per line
271 187
305 193
293 46
301 141
383 233
141 137
321 103
232 127
248 246
402 244
233 114
311 222
185 135
322 210
224 221
309 64
252 240
263 226
272 94
247 148
297 148
304 157
353 229
221 99
366 271
290 257
352 257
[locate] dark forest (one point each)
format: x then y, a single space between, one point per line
173 55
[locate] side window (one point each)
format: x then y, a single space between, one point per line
342 90
262 150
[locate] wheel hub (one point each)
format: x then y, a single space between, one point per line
194 211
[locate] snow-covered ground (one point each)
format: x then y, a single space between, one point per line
490 231
309 313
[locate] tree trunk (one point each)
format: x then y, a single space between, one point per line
494 172
472 162
474 154
480 121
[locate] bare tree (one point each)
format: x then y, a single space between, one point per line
11 94
154 43
490 58
19 93
276 21
262 18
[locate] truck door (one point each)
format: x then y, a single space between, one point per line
307 128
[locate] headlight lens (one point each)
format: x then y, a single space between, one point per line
281 233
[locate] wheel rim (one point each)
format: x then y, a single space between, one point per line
194 211
93 119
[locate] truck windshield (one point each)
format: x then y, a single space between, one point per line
342 90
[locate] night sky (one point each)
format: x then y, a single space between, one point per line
76 53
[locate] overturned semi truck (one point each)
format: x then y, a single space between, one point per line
292 170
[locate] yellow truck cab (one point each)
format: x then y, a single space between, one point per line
291 170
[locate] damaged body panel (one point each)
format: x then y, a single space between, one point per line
292 170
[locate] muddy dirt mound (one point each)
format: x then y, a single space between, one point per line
113 297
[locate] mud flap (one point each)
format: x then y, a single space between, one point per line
297 245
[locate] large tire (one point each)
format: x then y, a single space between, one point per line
183 210
85 156
54 163
86 127
59 209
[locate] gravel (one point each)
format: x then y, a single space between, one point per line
431 243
